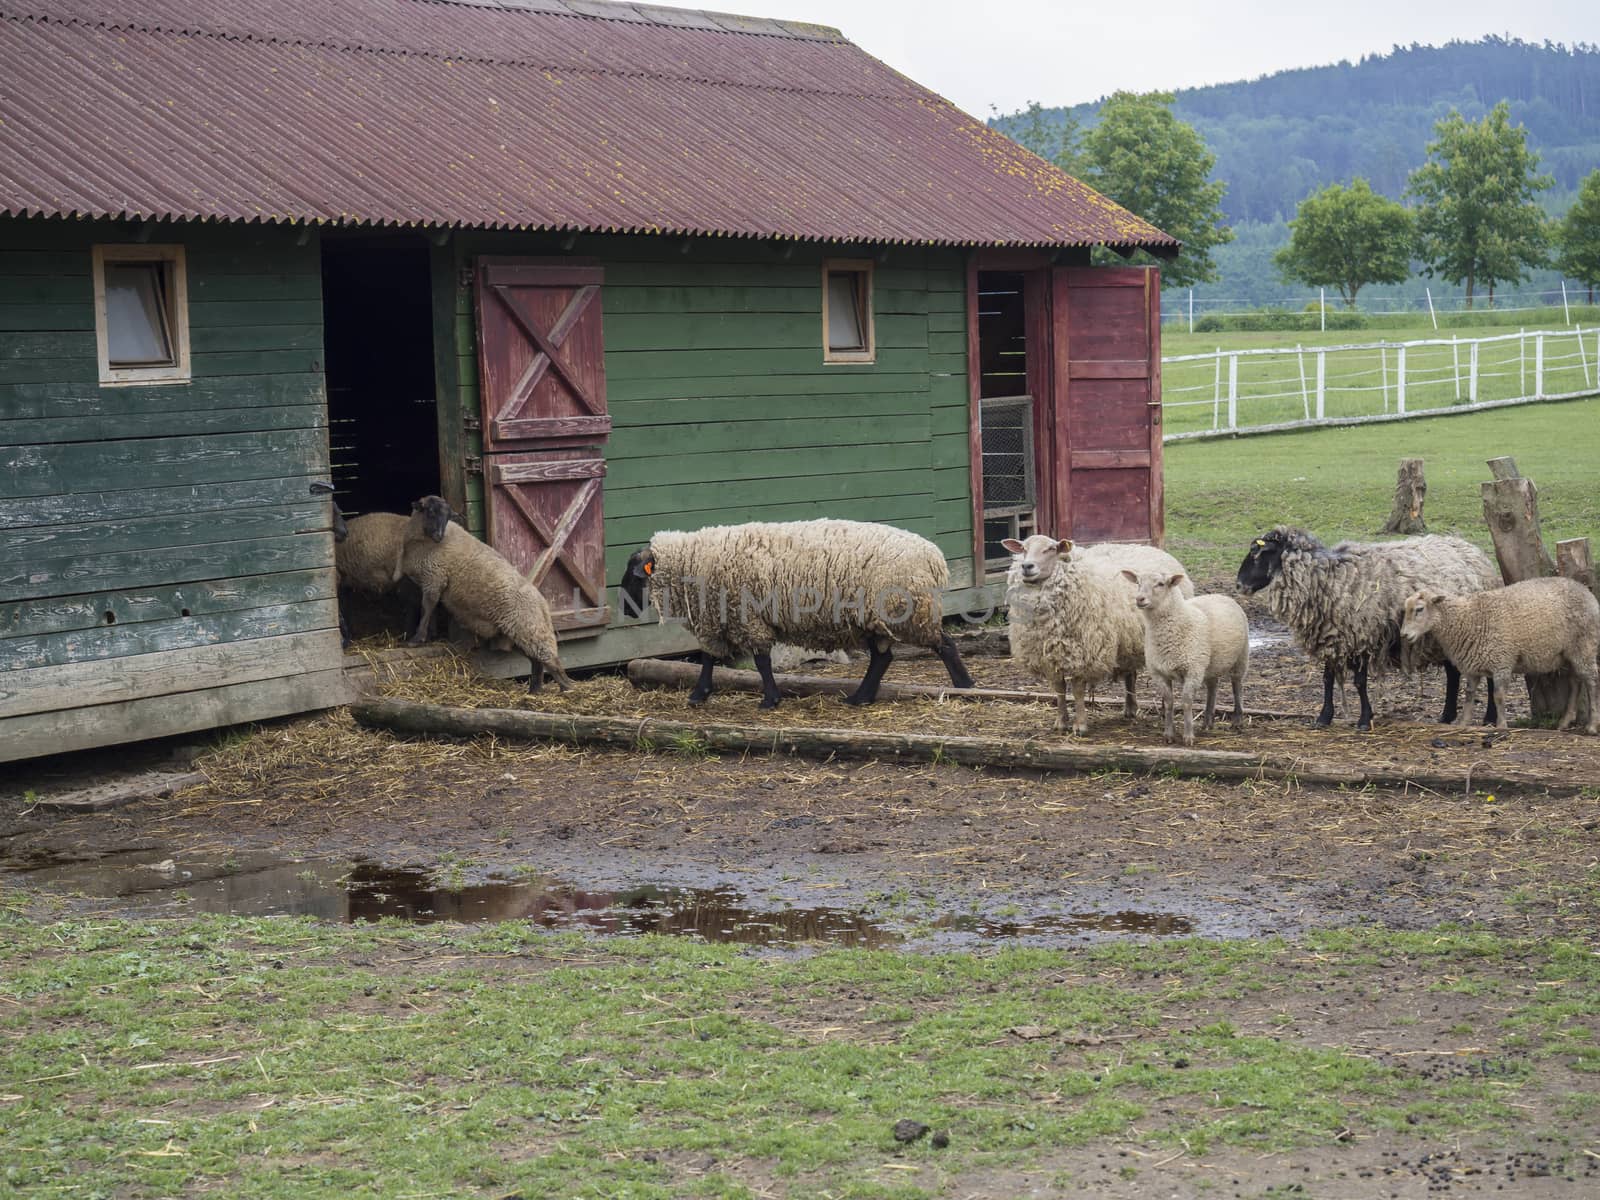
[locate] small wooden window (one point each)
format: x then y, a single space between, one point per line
141 314
847 332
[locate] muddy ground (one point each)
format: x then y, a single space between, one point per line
925 857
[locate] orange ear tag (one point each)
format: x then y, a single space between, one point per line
649 567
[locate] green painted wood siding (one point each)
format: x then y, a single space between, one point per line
158 540
723 409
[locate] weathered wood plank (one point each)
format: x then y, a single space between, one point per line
58 732
30 317
821 407
152 568
821 490
697 364
768 464
127 465
623 532
140 676
194 422
114 642
256 362
679 332
727 437
261 337
59 614
275 285
312 514
20 401
92 506
772 387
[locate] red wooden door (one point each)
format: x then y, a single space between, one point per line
1106 402
542 387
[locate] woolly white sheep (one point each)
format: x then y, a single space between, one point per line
1344 603
822 585
481 590
1072 616
1535 627
1188 643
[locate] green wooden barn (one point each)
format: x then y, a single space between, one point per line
585 269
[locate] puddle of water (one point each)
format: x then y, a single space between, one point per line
349 892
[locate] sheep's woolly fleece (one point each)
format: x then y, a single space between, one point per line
1199 640
1080 623
1346 601
822 585
365 559
482 591
1537 626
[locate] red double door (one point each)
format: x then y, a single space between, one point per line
542 387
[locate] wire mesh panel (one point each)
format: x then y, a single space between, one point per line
1009 484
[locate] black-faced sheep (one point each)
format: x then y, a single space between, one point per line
1073 619
481 590
1536 627
1344 603
820 585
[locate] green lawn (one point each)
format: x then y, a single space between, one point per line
1339 482
284 1058
1283 387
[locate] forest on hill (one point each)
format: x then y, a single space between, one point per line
1283 136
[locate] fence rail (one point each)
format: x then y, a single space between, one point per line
1227 392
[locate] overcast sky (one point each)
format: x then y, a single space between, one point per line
1003 53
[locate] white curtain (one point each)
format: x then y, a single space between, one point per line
136 315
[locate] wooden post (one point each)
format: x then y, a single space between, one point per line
1233 391
1472 374
1538 366
1409 490
1511 510
1573 559
1400 381
1305 396
1322 379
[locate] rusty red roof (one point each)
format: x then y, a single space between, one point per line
526 114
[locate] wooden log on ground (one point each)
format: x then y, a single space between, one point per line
659 672
1511 510
1410 489
628 733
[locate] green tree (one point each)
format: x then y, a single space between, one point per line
1477 221
1347 237
1159 168
1578 235
1054 141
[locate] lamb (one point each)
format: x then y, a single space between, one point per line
1533 627
822 585
1072 616
1344 603
1190 642
482 591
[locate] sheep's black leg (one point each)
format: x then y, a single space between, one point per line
702 689
1325 717
1452 691
868 691
535 674
951 658
1491 711
769 685
1364 722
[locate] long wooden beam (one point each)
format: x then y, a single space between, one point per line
648 733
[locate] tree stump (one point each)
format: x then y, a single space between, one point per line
1511 510
1410 488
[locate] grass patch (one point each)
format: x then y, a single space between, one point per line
278 1058
1339 483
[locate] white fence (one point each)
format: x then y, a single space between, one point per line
1257 391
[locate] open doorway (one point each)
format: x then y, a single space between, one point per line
382 406
1006 413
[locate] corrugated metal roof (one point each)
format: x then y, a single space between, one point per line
534 114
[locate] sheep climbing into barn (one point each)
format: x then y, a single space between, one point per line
481 590
1344 603
821 585
364 553
1538 626
1073 617
1189 644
